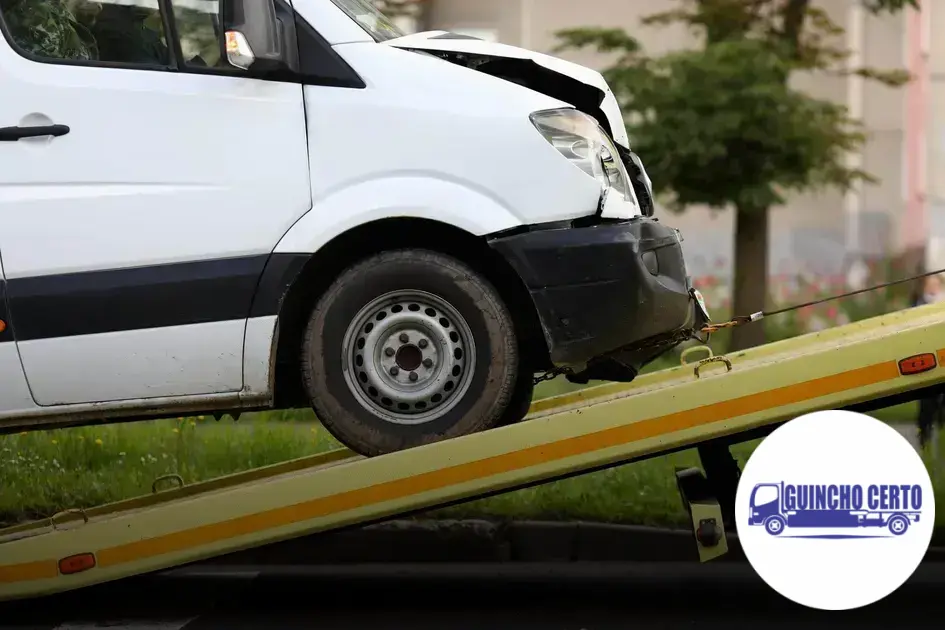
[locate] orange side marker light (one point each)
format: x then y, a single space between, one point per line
917 364
3 325
77 563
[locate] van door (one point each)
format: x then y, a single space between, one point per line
143 184
14 394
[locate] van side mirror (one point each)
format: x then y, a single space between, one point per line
255 36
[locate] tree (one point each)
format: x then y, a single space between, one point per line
416 9
721 126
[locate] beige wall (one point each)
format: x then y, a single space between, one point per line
812 229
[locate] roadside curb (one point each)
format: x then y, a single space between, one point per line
463 541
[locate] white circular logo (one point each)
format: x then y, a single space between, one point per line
835 510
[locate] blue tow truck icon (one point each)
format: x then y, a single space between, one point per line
777 506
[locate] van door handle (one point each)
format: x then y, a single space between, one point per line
12 134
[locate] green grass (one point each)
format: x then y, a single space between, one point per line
45 472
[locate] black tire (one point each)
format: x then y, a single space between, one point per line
355 416
521 399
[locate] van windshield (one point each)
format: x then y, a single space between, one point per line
378 25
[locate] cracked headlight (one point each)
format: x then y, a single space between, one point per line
580 139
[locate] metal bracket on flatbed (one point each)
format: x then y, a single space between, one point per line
710 358
705 514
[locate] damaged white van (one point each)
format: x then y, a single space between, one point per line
227 205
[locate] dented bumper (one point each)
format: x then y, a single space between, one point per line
607 287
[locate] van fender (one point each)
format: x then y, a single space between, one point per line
414 195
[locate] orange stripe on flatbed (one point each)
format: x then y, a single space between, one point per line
40 570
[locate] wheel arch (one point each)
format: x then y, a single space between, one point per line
341 252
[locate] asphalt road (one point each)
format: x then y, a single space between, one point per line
591 596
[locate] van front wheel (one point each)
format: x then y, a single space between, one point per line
407 348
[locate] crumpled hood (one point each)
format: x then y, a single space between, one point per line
572 83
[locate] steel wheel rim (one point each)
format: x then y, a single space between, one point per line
408 357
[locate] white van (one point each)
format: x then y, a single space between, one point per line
221 206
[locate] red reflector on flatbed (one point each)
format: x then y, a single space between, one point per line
917 364
77 563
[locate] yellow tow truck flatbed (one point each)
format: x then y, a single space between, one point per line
709 404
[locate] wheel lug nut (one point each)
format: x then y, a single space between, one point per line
404 338
423 343
428 363
394 371
389 352
413 376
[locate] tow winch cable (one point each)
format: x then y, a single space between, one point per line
754 317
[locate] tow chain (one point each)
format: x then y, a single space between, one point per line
754 317
550 375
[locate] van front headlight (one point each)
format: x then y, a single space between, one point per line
580 139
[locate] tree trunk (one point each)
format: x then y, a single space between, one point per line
750 290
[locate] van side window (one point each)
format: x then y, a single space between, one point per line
201 38
108 31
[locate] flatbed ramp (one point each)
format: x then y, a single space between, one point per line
687 406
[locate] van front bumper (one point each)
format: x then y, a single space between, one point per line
607 289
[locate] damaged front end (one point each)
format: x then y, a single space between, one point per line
583 88
614 295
